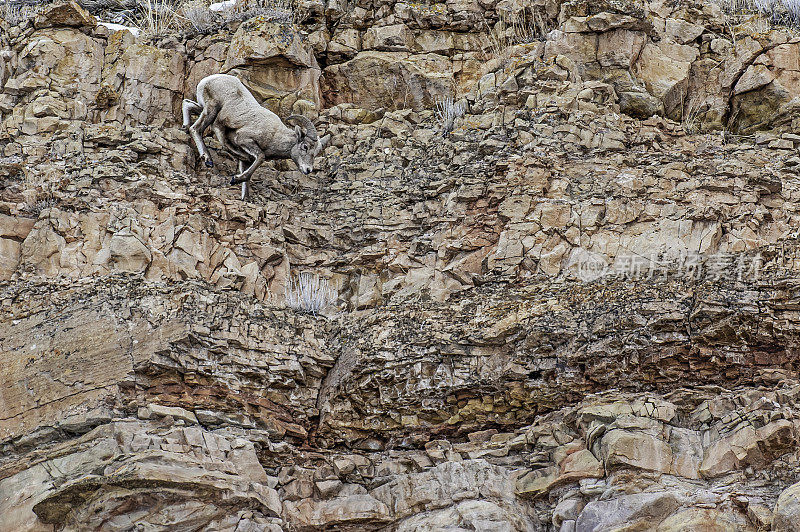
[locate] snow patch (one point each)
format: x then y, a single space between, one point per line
120 27
222 6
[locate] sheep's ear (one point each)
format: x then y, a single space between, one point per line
323 142
298 133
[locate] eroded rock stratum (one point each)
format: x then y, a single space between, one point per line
578 311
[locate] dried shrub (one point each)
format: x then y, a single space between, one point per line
16 13
35 209
776 12
517 27
447 110
155 20
199 16
280 11
309 293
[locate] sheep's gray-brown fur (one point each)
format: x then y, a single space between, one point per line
251 133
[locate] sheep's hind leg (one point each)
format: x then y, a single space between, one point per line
196 130
232 149
238 154
245 185
252 149
190 107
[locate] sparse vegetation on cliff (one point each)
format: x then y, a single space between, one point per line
309 293
14 12
776 12
447 111
156 19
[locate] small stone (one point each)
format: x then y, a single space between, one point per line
481 435
328 488
343 466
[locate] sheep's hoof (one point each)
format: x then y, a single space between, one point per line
209 163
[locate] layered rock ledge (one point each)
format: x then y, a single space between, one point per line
577 310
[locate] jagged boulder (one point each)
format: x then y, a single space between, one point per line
786 515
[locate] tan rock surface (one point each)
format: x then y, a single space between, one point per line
575 311
787 510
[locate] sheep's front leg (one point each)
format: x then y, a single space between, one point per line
197 129
190 107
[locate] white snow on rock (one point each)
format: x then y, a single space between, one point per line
120 27
222 6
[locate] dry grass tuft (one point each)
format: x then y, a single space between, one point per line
16 13
515 28
774 12
157 19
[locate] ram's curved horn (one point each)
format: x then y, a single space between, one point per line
308 126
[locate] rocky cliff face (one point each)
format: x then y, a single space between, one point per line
576 311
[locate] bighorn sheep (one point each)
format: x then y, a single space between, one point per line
251 133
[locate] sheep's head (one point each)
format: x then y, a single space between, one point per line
307 145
